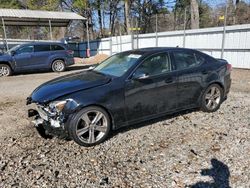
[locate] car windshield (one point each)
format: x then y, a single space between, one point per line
118 65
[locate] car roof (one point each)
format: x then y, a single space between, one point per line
44 43
153 50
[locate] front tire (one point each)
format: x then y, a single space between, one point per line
58 66
90 126
5 70
212 98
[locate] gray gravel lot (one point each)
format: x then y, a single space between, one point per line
189 149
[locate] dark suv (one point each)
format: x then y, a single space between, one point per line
36 56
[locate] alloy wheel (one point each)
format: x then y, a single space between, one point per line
4 71
58 66
213 98
92 127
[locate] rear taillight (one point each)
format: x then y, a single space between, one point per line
70 52
229 67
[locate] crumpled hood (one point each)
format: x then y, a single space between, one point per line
64 85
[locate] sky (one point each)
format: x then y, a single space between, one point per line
218 2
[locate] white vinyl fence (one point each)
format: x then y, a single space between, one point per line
208 40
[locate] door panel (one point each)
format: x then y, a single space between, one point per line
190 77
41 56
23 57
189 87
41 59
140 99
153 95
23 60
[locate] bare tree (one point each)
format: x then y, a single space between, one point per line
127 15
194 14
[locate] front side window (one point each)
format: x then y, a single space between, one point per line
118 65
184 60
25 49
42 48
155 65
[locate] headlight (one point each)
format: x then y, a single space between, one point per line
57 106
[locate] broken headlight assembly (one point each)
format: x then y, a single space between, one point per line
56 107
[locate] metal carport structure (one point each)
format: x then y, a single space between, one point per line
23 17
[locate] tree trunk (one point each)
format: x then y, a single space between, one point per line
194 14
99 16
127 15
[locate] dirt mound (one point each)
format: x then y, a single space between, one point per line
91 60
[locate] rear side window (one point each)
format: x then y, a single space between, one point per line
42 48
56 47
184 60
199 58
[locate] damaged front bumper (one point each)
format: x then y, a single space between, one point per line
48 120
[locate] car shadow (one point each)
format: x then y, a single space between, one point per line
150 122
219 173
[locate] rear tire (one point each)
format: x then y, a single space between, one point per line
212 98
58 66
5 70
90 126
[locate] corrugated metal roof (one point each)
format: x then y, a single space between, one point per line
38 14
20 17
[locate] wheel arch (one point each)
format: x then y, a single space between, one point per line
7 63
104 108
218 83
208 85
55 59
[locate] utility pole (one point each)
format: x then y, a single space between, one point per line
120 33
137 34
156 30
132 34
224 32
184 28
50 30
88 45
5 35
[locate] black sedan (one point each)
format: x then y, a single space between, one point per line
128 88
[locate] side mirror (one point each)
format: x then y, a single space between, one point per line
13 53
141 76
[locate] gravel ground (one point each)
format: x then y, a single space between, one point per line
190 149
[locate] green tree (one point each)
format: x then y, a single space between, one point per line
205 12
10 4
50 5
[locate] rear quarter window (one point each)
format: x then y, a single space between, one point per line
187 59
199 58
56 48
